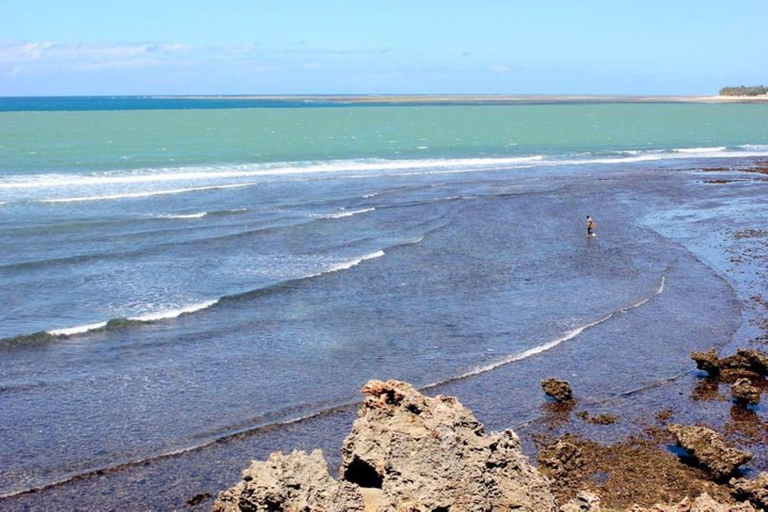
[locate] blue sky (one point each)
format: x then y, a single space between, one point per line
70 47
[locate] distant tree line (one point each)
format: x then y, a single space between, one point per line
755 90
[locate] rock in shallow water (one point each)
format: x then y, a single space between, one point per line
558 389
709 449
745 393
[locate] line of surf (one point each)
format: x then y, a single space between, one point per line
142 194
224 171
569 335
170 174
153 317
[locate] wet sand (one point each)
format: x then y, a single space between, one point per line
730 257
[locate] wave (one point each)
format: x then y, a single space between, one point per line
147 193
148 318
183 215
344 213
550 344
222 176
718 149
170 174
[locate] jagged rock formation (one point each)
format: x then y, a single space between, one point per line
709 449
558 389
745 393
406 452
756 491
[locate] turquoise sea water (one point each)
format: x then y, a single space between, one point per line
119 140
171 276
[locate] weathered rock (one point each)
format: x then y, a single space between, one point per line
703 503
428 454
709 449
583 502
406 452
745 393
558 389
294 482
707 361
756 491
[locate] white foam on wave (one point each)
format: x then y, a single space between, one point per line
149 193
352 263
169 174
149 317
184 216
717 149
80 329
344 213
175 313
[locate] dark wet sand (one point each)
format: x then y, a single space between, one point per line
510 396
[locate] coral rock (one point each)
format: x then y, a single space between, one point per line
429 454
405 452
709 449
756 491
745 393
558 389
294 482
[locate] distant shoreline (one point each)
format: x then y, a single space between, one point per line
477 99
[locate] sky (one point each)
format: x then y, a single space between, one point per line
156 47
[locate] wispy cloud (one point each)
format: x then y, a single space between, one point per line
19 57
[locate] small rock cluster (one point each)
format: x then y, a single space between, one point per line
746 366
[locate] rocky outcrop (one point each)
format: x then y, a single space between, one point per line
558 389
428 454
707 361
294 482
745 393
744 360
709 449
756 491
408 452
703 503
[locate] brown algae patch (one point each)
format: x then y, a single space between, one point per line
635 471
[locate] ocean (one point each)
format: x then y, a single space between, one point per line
174 274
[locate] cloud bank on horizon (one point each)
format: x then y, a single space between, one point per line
346 47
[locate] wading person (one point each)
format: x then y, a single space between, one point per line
590 226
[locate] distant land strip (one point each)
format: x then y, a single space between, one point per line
476 99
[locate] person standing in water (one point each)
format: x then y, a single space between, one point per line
590 226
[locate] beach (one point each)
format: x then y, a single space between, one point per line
211 313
